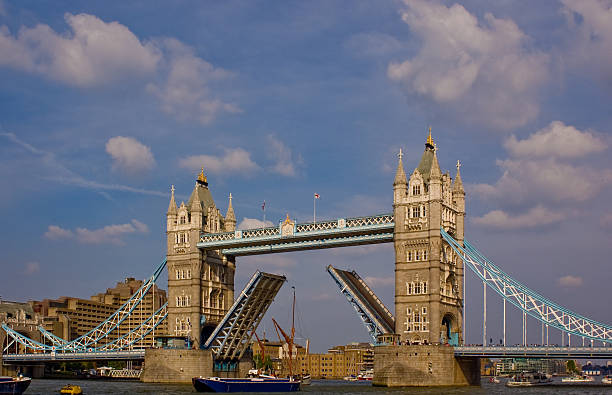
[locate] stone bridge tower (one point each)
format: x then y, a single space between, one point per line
200 283
428 274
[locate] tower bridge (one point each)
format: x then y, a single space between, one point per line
426 228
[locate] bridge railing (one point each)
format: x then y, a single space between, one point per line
341 224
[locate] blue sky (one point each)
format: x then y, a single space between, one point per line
104 106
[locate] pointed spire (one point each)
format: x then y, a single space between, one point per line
435 167
400 175
172 205
230 216
458 184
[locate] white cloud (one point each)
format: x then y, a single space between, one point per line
93 53
129 154
56 233
252 223
285 163
110 234
591 31
482 70
606 221
31 268
235 160
380 281
556 140
186 93
570 281
373 44
536 217
53 169
527 181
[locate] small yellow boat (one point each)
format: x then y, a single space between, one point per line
71 389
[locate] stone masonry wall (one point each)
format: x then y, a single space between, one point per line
180 366
176 366
420 366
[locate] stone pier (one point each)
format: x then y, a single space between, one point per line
423 366
180 366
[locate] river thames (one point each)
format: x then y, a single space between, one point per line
317 387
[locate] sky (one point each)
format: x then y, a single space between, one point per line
104 106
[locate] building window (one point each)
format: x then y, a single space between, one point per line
417 256
177 275
424 287
182 220
188 273
416 212
416 189
181 237
409 256
417 288
424 310
424 255
410 288
424 211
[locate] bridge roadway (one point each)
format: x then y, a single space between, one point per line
461 351
289 236
137 354
534 352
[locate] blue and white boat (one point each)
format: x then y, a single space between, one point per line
251 384
14 385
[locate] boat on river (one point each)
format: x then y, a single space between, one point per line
14 385
607 380
71 389
249 384
526 379
578 379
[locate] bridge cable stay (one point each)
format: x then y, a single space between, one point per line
138 333
528 301
84 342
377 319
57 341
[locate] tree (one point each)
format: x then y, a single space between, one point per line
571 366
265 365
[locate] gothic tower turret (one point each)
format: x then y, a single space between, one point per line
230 217
428 275
200 284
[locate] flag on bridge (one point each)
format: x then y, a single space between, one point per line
263 206
317 196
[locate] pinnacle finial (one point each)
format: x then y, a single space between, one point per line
172 189
400 155
202 178
430 142
230 197
458 165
